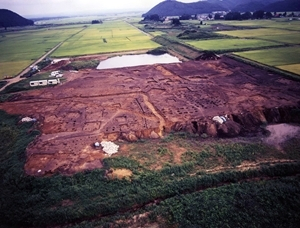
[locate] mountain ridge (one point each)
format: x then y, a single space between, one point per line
9 18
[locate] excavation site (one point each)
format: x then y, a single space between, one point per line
208 98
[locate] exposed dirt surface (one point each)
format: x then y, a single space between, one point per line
147 102
281 133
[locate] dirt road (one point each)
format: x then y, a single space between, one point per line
18 77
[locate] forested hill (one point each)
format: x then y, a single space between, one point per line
174 8
232 4
286 5
279 6
11 19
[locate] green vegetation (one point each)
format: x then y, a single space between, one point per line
20 49
2 83
243 205
274 56
77 65
231 44
257 32
285 39
199 35
294 68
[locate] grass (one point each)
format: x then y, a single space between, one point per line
111 36
230 44
274 56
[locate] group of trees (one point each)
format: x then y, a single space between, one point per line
259 14
97 22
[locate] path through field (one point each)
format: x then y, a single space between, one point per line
18 77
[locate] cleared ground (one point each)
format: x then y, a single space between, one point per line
141 102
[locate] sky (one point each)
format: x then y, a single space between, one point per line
45 8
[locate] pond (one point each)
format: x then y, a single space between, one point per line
136 60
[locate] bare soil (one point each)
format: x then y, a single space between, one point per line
140 102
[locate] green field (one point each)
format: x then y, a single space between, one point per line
274 56
21 48
283 23
294 68
230 44
258 32
111 36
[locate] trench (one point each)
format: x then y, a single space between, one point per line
162 121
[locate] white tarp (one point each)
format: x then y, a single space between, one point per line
220 119
28 119
109 147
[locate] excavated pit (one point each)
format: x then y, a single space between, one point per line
148 102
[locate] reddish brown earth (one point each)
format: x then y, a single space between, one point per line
147 102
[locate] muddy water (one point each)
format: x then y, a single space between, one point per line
281 132
136 60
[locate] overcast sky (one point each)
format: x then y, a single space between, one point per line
72 7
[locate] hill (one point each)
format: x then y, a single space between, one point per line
281 6
251 6
12 19
233 4
174 8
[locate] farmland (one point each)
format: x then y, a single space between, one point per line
19 49
231 44
112 36
283 58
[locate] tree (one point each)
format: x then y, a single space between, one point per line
246 15
217 16
269 15
233 16
176 21
97 22
152 17
185 17
259 14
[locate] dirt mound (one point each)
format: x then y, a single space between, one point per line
148 102
208 55
57 66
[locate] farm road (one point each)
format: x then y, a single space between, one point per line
18 77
